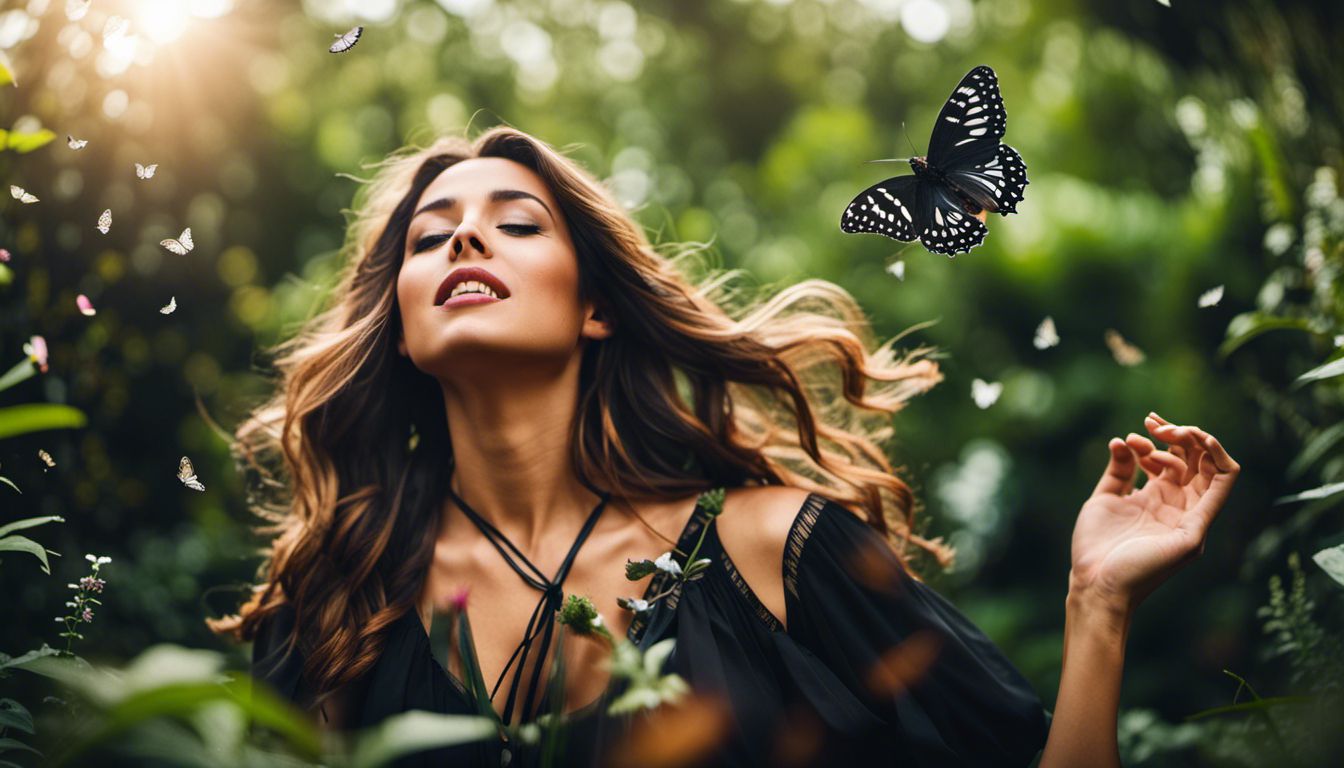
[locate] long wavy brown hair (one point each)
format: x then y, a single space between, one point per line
702 385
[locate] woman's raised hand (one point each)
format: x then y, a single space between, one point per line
1126 542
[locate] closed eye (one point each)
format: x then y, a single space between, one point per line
430 241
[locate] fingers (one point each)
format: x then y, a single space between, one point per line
1121 470
1182 442
1160 465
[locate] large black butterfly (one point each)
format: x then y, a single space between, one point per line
966 171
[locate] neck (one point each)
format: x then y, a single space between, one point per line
511 448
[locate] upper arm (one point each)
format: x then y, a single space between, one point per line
753 529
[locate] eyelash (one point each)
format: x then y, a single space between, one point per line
429 241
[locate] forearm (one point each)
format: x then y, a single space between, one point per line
1083 729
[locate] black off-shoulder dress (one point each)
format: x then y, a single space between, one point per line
848 602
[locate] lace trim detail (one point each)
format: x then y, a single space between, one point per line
762 612
798 535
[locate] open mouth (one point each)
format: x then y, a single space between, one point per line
473 283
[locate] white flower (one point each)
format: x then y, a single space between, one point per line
666 564
91 558
597 621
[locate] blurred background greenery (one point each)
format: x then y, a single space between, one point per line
1170 150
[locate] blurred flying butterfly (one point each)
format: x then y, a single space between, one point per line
1046 335
187 474
1211 297
21 194
46 459
74 143
105 221
182 245
1124 353
167 309
985 393
346 41
146 171
966 174
85 306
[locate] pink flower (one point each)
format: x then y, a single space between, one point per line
85 306
36 349
458 600
4 255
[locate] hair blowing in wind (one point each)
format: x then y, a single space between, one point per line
699 387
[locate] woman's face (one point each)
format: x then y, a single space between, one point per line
497 215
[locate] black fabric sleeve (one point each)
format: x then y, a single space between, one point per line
850 601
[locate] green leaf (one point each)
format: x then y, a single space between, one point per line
7 744
471 667
7 71
29 522
416 731
1257 705
26 142
1327 371
1331 561
1248 325
22 371
1325 491
25 544
638 569
22 419
1316 447
15 715
10 483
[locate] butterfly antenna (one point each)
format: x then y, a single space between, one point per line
907 139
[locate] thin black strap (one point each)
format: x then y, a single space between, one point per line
542 621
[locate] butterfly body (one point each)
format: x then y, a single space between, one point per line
966 173
933 174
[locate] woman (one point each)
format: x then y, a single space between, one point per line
513 392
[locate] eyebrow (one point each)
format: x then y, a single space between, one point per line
497 196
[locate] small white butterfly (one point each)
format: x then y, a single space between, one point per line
74 143
75 9
105 221
21 194
146 171
985 393
114 27
182 245
1123 352
187 474
167 309
1211 297
1046 335
46 459
346 41
897 268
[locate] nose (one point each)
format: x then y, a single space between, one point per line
465 236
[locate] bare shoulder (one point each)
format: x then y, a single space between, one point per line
754 528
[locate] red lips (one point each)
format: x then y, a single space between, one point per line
467 274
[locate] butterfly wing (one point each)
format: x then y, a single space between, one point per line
185 239
187 474
105 221
941 222
886 208
997 185
346 41
970 124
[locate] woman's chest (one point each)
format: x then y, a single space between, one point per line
508 615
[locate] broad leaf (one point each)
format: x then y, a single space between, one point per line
22 419
1332 562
